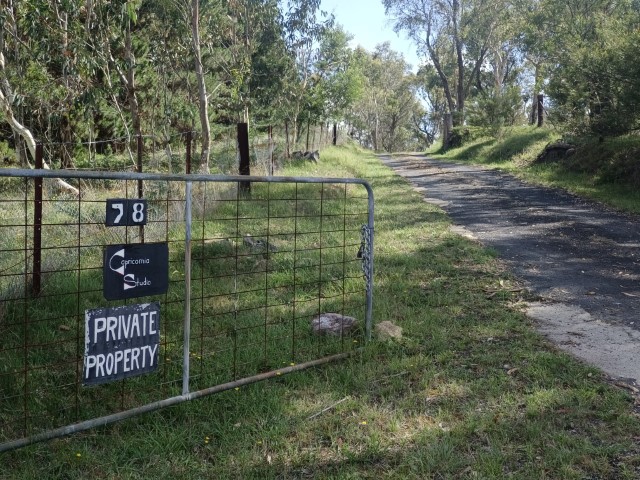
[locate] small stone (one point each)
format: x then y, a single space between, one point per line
387 331
333 324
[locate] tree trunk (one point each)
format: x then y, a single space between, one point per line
447 129
202 87
536 91
459 118
132 95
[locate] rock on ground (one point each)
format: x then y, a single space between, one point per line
333 324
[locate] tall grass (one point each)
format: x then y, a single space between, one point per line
604 171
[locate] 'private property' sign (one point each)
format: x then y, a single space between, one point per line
120 342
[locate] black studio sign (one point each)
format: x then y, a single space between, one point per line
131 271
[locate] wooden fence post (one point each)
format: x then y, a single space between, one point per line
36 286
243 149
140 184
540 110
188 141
271 148
286 133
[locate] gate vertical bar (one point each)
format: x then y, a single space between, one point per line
369 266
187 288
37 226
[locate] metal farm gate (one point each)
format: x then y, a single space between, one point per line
148 290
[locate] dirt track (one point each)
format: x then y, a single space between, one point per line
581 258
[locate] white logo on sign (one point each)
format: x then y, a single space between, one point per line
129 279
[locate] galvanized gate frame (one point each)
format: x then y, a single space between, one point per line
365 253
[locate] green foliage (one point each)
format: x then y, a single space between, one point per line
604 94
495 111
386 114
461 136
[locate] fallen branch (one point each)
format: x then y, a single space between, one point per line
492 293
328 408
389 376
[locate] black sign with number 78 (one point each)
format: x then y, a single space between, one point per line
126 212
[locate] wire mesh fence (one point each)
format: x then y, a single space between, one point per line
270 147
247 278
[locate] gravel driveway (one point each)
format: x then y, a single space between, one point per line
581 258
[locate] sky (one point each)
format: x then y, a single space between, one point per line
366 21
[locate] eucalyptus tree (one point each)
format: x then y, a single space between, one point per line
340 80
203 101
46 72
36 86
384 116
456 37
305 24
583 48
253 60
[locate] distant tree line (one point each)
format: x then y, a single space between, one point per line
82 71
487 61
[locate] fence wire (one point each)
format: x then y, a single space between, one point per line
247 274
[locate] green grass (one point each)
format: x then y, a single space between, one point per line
471 391
604 171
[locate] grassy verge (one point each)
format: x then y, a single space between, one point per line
606 172
470 392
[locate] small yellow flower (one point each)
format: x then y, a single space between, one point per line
259 442
237 388
278 373
78 455
364 422
292 364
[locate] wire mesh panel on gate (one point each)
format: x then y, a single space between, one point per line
246 277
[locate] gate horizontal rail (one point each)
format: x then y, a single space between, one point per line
247 277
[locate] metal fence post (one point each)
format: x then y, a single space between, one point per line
187 288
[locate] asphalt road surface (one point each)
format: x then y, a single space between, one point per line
580 257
